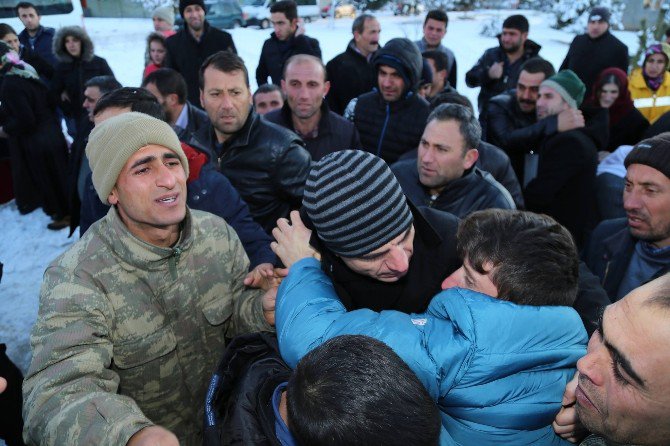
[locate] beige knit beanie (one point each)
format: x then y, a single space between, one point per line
115 140
165 13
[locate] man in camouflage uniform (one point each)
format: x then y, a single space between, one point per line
134 316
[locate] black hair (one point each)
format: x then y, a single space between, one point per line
6 29
517 21
450 98
438 57
268 88
168 81
536 65
534 258
468 124
356 391
437 14
359 23
26 5
105 83
137 99
286 7
225 61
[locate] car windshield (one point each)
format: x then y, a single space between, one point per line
253 2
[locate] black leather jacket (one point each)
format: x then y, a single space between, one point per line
267 164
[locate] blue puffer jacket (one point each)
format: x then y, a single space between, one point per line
497 370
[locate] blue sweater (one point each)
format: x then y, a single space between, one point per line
497 370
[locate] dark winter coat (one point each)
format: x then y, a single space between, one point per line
238 408
36 142
41 65
478 75
494 161
77 153
452 67
389 129
186 55
434 259
564 187
209 191
197 119
72 73
276 52
350 75
42 43
267 164
609 252
514 131
474 191
628 131
334 133
587 57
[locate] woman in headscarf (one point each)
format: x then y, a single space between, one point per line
37 146
626 123
9 36
650 85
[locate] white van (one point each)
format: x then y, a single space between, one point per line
54 13
257 12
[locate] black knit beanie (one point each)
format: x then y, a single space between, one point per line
653 152
184 3
355 202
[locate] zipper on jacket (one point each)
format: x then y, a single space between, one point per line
381 137
173 260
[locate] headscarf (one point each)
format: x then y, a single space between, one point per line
12 65
623 103
655 82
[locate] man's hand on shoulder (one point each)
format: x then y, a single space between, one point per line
570 119
153 436
292 240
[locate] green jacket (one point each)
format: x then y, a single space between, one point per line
128 334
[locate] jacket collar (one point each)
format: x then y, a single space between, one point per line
138 253
324 122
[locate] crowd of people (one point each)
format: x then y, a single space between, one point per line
350 254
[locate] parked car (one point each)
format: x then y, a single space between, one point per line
222 14
342 9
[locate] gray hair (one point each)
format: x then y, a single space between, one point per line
469 126
359 23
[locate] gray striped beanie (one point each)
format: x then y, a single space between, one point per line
355 202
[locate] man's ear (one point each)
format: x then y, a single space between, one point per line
471 157
202 98
113 197
172 99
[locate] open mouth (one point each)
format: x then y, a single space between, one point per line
168 199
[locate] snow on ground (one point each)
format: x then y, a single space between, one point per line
27 247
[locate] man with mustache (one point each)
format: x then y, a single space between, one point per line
621 392
511 122
628 252
351 73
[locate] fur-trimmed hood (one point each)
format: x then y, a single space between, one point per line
59 44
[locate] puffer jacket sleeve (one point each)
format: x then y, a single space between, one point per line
70 391
479 74
291 170
309 313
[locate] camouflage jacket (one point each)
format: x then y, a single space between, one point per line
128 333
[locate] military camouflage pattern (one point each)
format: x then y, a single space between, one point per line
128 334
